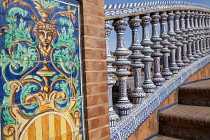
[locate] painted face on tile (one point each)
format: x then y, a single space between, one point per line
45 33
45 37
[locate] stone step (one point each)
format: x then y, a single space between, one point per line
195 94
186 122
160 137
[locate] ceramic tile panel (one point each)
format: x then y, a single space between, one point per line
40 70
52 11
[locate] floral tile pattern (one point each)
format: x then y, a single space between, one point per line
40 77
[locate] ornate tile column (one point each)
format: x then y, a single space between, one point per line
208 40
123 104
157 77
179 38
184 40
110 70
138 93
173 66
189 39
201 34
192 20
166 52
207 32
197 33
148 85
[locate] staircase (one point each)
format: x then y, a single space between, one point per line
190 119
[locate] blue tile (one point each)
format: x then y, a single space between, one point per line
50 11
66 45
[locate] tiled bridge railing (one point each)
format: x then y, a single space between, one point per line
180 49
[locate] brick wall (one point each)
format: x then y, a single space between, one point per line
95 74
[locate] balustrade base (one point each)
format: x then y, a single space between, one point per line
137 100
123 112
123 107
113 120
158 81
166 74
138 95
148 86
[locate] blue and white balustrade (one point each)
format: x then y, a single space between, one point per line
172 45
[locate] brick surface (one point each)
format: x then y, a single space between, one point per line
94 31
94 42
95 54
97 99
95 73
99 133
95 65
99 2
94 20
97 122
188 121
96 76
151 125
197 93
98 110
92 8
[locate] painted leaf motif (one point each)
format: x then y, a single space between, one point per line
6 116
49 3
33 77
57 76
18 10
27 90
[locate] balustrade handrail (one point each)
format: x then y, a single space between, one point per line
177 52
115 11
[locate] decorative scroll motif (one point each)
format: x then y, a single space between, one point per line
40 69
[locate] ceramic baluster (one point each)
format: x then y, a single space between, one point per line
207 31
197 33
148 85
157 77
194 38
173 66
110 70
165 43
201 33
189 39
179 38
184 40
121 53
138 93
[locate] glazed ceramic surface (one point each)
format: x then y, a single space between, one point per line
40 90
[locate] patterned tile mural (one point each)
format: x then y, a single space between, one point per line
40 86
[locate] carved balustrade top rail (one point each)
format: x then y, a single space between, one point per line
177 46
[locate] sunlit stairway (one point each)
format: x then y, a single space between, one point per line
190 119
